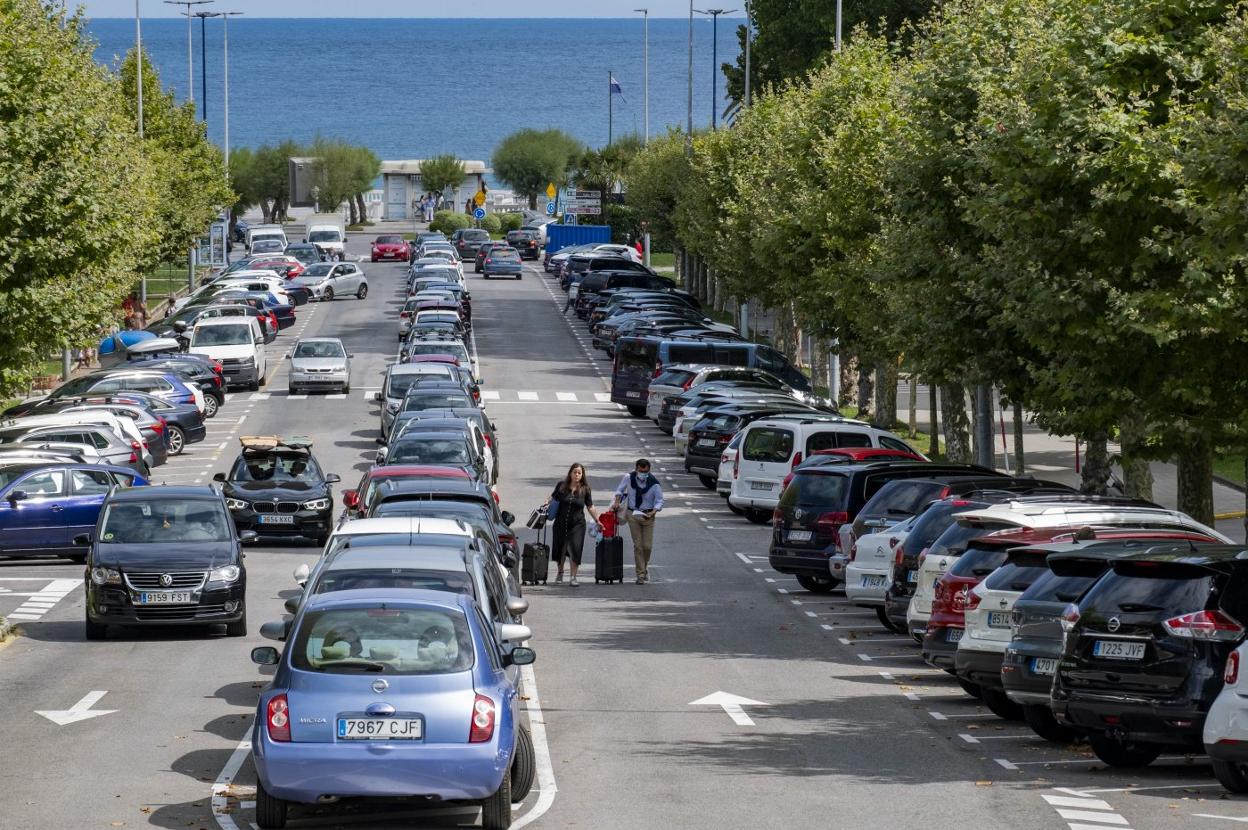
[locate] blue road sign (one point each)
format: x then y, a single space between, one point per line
479 213
550 208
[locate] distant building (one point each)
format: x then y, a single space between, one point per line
400 181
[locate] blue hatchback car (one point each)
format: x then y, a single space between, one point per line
502 262
387 693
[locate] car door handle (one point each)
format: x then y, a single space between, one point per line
56 507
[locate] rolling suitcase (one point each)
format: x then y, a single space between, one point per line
535 561
609 560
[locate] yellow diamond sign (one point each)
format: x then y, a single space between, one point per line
550 191
480 198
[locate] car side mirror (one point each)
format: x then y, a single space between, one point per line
246 536
350 355
517 606
381 454
275 631
218 477
351 498
82 539
265 655
291 605
508 517
333 478
18 495
259 341
520 656
286 356
512 633
301 574
377 396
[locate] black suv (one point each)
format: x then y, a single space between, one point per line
526 241
277 489
467 241
165 556
1145 647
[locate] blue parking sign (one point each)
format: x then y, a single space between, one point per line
550 208
479 213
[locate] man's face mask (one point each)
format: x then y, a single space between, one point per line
642 477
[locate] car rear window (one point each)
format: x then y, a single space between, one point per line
388 240
816 488
901 498
435 400
673 377
383 641
934 521
979 561
720 423
1014 577
1049 587
690 353
476 235
1148 587
768 445
350 579
955 537
419 449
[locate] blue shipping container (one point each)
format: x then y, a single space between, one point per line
561 236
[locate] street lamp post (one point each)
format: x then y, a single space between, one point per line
190 61
714 15
138 54
646 68
225 20
749 35
203 60
689 113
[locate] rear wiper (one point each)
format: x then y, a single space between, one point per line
354 663
1139 606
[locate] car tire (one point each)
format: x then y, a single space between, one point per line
816 584
270 810
523 766
736 510
1042 722
887 621
707 481
637 411
973 689
346 390
327 295
758 517
1232 776
519 276
254 386
175 440
237 629
496 810
290 390
94 631
211 405
361 292
1000 705
1116 753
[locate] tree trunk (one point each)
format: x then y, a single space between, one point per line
885 394
532 201
912 422
866 394
1019 467
849 380
1137 475
957 426
266 209
1196 480
362 206
818 363
352 219
933 415
1095 473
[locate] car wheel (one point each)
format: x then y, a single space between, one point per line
328 295
518 276
211 405
523 766
887 621
736 510
321 540
496 810
254 386
1000 705
1232 776
270 811
707 481
175 441
361 292
290 390
346 390
758 517
94 631
637 411
973 689
1118 753
816 584
237 629
1042 722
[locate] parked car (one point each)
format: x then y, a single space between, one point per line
466 241
238 344
355 501
390 247
100 439
276 488
1225 735
164 556
321 364
305 252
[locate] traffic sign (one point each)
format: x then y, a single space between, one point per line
479 198
550 208
569 218
550 191
479 213
585 203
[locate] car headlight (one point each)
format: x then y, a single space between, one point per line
236 504
106 576
316 504
229 573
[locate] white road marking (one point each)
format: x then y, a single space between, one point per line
78 712
541 751
489 394
42 601
220 801
1067 801
1084 815
1006 764
744 559
1226 818
602 397
526 396
731 704
566 396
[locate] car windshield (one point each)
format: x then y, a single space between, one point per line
400 383
221 336
318 269
320 348
266 246
435 400
405 578
324 236
165 520
424 450
275 466
383 640
389 240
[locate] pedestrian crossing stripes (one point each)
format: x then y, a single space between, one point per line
42 601
487 396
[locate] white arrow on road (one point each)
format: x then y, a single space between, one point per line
731 704
79 711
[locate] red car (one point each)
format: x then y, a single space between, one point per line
287 266
353 500
845 455
391 247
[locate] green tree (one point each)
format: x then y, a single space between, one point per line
510 222
441 173
77 206
603 169
449 221
653 182
529 160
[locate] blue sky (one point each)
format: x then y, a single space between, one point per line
420 8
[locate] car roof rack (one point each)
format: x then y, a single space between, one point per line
268 443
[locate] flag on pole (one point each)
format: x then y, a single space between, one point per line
616 90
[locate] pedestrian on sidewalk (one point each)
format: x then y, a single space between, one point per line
575 498
642 498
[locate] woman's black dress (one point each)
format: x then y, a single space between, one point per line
569 530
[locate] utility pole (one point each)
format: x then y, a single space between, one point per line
190 61
225 19
610 105
689 127
138 55
714 15
645 50
749 35
838 25
203 60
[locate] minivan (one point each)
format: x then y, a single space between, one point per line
238 343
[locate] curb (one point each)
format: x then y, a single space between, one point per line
1226 482
6 629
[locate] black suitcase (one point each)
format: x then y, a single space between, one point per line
535 561
609 560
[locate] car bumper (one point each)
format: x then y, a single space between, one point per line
937 650
856 593
398 256
982 667
240 375
502 272
114 605
303 772
1177 724
1021 684
320 381
703 465
193 435
808 562
306 523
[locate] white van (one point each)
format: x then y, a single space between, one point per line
238 343
771 447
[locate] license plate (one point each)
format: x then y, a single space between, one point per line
380 729
1044 666
999 619
1118 650
632 394
952 635
869 581
760 485
276 520
706 442
912 576
799 535
165 598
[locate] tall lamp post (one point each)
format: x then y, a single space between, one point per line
646 68
138 55
689 107
749 35
225 20
714 15
203 60
190 61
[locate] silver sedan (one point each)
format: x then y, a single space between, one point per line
320 364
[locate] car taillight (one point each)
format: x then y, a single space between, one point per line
404 314
488 441
784 484
1070 617
278 719
777 515
658 370
797 459
1204 625
922 557
1231 675
482 728
687 383
899 556
133 458
972 600
724 439
216 367
160 425
828 524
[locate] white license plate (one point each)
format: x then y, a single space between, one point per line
999 619
165 598
1118 650
760 485
706 442
632 394
872 581
380 729
799 535
952 635
276 520
912 576
1044 666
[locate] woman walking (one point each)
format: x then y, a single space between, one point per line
575 499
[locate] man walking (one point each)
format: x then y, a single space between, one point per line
642 497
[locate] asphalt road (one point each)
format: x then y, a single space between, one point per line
848 726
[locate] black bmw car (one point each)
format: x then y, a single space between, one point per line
277 489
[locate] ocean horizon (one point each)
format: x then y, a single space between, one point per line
411 88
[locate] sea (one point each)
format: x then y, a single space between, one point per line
413 88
